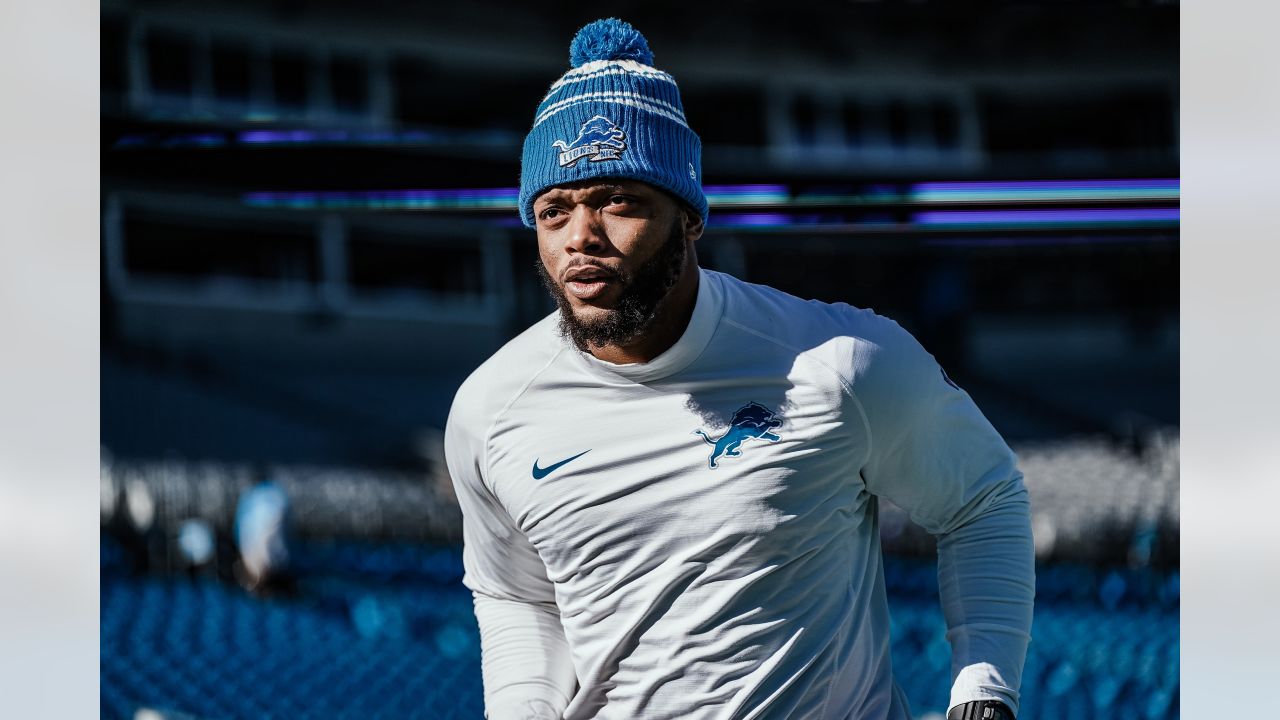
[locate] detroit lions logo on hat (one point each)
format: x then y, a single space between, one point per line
598 139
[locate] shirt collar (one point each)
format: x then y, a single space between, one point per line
707 309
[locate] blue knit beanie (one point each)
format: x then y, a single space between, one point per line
612 115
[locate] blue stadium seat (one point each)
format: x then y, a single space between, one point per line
388 631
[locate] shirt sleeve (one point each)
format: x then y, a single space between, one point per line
524 657
933 453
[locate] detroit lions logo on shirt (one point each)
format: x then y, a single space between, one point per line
751 421
598 139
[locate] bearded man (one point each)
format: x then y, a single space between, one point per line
670 485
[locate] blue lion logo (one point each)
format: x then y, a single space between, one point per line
752 420
599 138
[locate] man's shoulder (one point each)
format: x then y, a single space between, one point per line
798 323
499 379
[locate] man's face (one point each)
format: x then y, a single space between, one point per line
610 250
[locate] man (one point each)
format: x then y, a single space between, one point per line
669 487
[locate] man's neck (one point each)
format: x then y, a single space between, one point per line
667 327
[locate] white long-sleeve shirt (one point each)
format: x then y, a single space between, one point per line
697 537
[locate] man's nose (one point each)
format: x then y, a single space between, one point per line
585 232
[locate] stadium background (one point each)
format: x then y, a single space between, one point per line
308 240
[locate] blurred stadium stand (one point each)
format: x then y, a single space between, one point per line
374 587
386 630
1093 501
309 240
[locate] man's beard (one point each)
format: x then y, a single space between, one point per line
643 291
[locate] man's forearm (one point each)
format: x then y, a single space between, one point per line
986 577
525 661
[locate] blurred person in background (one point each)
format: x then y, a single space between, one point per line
261 528
670 486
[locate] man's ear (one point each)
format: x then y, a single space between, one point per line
693 225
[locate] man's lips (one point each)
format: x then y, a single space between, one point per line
589 282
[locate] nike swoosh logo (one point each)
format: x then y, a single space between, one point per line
539 473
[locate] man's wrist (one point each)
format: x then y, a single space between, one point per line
981 710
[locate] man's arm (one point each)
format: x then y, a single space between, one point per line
934 454
986 578
525 660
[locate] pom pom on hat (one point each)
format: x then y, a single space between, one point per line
609 39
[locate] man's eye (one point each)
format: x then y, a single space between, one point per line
549 213
619 199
